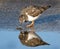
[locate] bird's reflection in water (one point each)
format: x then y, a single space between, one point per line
30 38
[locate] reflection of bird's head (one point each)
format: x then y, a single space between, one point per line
23 35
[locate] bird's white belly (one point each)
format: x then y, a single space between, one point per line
31 18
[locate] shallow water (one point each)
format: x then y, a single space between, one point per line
9 40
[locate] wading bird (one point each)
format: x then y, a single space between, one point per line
31 13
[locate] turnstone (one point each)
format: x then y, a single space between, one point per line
31 39
31 13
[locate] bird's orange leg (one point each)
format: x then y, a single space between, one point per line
31 26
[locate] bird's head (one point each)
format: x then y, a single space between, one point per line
22 19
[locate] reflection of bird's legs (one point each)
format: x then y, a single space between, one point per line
31 26
32 29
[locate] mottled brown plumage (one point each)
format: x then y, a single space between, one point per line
37 10
31 13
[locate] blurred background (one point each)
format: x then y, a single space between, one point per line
47 26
